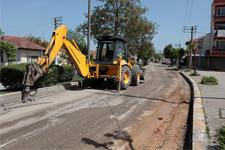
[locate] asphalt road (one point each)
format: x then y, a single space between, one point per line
89 118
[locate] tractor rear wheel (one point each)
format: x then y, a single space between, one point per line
136 79
125 77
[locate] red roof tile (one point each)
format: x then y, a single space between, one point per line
22 43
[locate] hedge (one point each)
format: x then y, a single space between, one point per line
221 138
12 76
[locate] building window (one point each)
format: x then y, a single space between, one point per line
220 26
220 11
220 45
32 59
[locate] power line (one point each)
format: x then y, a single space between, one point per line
190 14
186 11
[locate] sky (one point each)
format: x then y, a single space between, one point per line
25 17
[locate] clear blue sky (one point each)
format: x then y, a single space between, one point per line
24 17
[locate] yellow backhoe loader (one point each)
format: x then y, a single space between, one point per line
112 61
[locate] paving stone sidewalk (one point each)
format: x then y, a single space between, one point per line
214 103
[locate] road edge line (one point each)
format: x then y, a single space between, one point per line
199 134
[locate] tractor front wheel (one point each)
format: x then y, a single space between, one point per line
125 77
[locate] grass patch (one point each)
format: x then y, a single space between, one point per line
209 80
221 138
187 70
194 74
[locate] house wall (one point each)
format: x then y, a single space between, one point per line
25 56
206 44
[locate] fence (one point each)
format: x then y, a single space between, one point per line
211 62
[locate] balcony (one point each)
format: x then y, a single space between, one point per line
219 49
219 33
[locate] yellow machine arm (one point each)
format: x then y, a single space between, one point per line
58 41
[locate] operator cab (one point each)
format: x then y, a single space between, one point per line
110 48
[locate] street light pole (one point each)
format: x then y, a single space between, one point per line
89 29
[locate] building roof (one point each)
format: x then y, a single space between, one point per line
22 43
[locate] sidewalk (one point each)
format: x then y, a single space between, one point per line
214 103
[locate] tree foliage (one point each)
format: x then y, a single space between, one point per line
1 32
172 53
37 40
158 56
124 18
146 52
9 49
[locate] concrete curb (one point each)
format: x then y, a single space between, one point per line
199 135
15 97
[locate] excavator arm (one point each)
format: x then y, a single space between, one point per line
58 41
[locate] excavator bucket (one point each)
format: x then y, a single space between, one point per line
32 74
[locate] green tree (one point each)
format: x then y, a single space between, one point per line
167 51
147 51
9 50
158 56
181 54
1 32
124 18
171 53
37 40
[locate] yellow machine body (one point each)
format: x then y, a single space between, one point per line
113 70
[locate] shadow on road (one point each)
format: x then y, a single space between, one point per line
121 135
98 85
116 135
96 144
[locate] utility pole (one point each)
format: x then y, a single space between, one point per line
192 30
57 22
89 29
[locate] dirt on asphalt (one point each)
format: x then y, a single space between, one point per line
150 116
164 125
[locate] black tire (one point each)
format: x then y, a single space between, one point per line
83 84
142 77
125 77
136 79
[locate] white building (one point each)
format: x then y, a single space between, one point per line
27 51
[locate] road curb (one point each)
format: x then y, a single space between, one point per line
199 135
15 97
